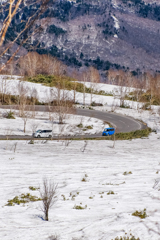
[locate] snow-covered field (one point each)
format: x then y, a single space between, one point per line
105 216
131 170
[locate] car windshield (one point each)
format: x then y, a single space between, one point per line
108 130
38 131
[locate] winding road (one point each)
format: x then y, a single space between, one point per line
120 122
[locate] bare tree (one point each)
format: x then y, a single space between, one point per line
62 104
10 8
25 115
48 194
61 130
83 148
34 63
75 76
34 125
4 90
23 91
94 79
8 132
84 80
51 118
34 98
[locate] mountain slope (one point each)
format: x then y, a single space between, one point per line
117 33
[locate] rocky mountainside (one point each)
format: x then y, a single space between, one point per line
121 34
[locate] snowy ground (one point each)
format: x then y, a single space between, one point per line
102 166
105 216
41 121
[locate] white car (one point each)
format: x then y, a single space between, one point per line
42 133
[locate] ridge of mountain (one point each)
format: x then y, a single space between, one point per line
106 33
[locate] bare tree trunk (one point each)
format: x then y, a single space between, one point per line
114 141
94 79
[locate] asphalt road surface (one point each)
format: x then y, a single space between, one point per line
120 122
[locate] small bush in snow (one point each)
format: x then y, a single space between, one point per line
127 238
31 142
24 198
127 173
78 207
110 192
64 198
9 115
80 125
141 214
54 237
94 104
84 179
33 188
89 127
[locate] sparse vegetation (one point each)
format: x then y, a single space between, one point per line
140 214
78 207
91 197
80 125
23 198
33 188
131 237
14 99
56 30
110 192
127 173
134 134
54 237
144 133
9 115
84 179
146 97
114 184
94 104
64 82
89 127
31 142
63 196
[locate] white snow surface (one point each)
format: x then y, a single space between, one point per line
105 216
116 22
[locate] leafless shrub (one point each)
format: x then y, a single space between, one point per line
34 126
12 7
54 237
61 103
84 146
48 194
25 117
94 79
67 142
14 147
22 97
34 63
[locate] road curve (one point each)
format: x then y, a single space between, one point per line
120 122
